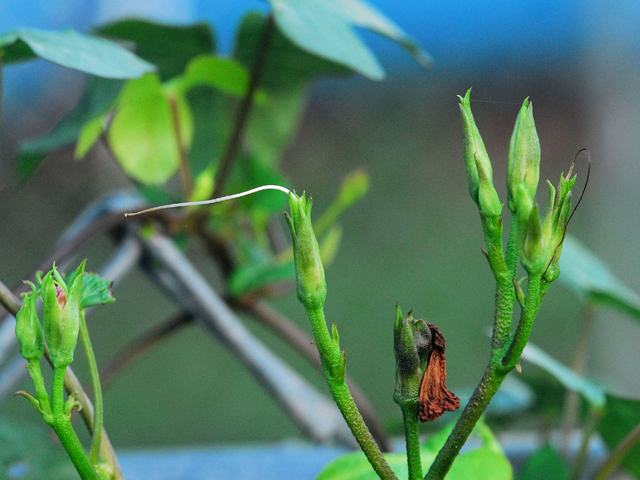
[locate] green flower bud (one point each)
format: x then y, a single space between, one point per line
478 164
311 287
62 314
529 238
412 345
524 156
28 329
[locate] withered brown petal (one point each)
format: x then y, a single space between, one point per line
435 397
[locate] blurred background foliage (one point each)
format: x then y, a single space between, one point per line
414 238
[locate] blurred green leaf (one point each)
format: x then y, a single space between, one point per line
170 47
621 416
142 134
326 28
211 128
71 49
26 454
544 463
95 291
225 74
329 245
354 187
258 275
485 463
89 135
99 94
592 280
571 380
286 78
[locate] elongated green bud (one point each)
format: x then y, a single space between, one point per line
62 314
524 156
311 287
478 164
28 329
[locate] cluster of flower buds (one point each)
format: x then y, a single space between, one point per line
61 318
539 242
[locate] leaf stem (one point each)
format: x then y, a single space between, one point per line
333 365
412 438
595 415
618 454
98 417
233 145
62 426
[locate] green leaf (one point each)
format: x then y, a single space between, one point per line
225 74
89 134
485 463
26 454
547 462
95 291
592 280
325 28
98 96
571 380
252 277
286 77
621 416
170 47
142 134
73 50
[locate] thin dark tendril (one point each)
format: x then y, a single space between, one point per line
573 164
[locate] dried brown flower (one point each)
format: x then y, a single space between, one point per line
435 397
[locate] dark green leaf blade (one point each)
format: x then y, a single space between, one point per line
545 463
170 47
74 50
621 416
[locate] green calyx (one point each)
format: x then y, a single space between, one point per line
478 164
412 346
540 242
28 329
311 287
62 314
523 165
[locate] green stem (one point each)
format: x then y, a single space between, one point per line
96 440
331 359
41 391
505 293
512 251
521 337
618 454
233 145
62 426
412 437
595 415
500 364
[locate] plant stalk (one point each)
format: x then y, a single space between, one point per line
618 454
62 426
500 364
98 414
412 438
331 357
235 139
595 415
